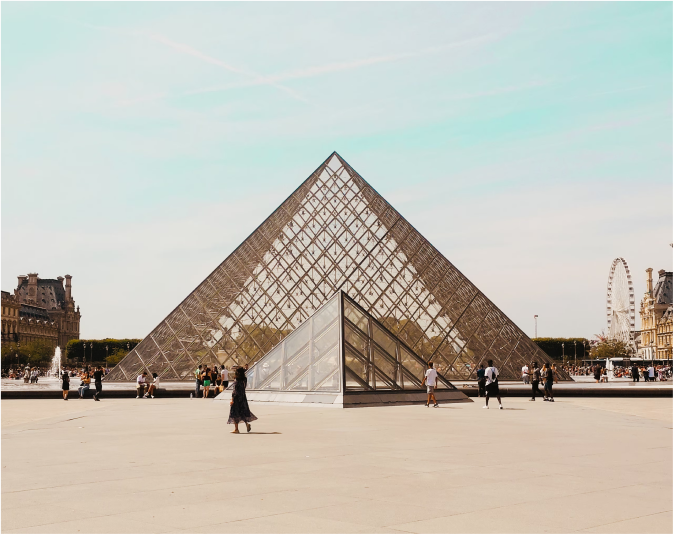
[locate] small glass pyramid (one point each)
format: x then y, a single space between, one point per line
342 355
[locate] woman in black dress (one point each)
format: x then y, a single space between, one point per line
239 410
65 386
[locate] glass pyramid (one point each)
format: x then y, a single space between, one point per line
342 355
335 232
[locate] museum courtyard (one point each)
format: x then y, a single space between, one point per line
172 465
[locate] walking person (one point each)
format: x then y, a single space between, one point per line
549 382
524 374
650 373
597 373
536 380
492 388
634 373
98 382
430 379
239 410
481 381
65 384
197 376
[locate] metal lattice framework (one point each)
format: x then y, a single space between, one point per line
334 232
620 303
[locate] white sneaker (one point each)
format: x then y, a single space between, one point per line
152 396
501 407
137 397
485 407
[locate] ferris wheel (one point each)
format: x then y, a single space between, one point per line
621 305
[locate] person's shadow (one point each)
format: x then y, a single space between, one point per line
261 432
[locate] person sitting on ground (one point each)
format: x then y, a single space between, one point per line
84 384
153 386
140 384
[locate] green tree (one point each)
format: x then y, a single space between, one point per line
117 356
75 351
610 348
34 353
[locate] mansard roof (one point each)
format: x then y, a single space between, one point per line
663 291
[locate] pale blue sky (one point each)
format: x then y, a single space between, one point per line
530 143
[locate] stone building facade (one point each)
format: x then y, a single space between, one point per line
664 334
40 310
10 318
656 317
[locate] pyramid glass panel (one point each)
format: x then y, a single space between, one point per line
334 233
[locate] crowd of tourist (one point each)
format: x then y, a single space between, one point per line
636 372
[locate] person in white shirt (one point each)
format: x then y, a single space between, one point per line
140 384
492 383
524 374
430 379
650 372
224 372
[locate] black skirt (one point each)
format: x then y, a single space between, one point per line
239 410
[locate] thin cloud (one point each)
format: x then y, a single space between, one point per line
330 68
255 78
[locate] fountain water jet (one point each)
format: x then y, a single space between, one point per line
55 369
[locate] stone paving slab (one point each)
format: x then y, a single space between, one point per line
171 465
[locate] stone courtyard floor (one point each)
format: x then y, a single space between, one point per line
171 465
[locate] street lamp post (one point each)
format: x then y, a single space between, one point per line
535 317
106 355
563 348
575 342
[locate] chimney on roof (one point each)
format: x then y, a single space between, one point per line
68 287
662 272
21 278
649 280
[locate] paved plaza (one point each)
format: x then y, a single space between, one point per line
171 465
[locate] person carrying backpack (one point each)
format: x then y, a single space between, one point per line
492 388
536 380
